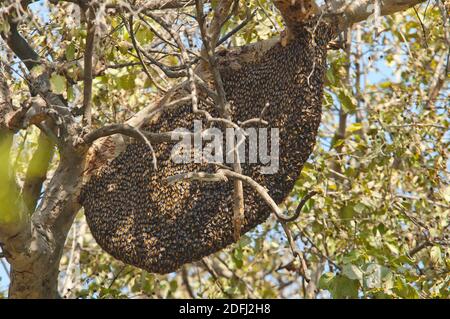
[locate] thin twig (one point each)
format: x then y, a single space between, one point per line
116 276
215 277
139 55
238 28
88 56
185 278
131 131
300 207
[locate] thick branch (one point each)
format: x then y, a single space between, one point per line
13 218
149 6
37 171
21 47
126 130
34 247
350 12
221 14
353 12
152 5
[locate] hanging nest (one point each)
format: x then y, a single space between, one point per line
137 217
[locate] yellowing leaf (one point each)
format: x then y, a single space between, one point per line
436 255
37 70
354 127
446 193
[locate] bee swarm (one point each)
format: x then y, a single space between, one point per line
140 219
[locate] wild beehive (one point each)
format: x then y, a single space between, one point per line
137 217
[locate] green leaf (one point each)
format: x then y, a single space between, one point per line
377 276
245 241
347 101
404 290
126 82
325 280
352 272
347 212
70 52
354 127
344 287
70 93
144 36
352 256
58 83
37 70
359 208
330 76
237 257
436 255
392 248
173 285
4 26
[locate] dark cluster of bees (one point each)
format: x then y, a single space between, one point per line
137 217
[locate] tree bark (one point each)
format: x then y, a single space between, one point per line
34 253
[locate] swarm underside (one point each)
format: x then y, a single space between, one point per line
138 218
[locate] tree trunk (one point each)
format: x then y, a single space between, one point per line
35 278
35 253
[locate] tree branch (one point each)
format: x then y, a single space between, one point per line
210 38
30 58
153 5
185 278
350 12
37 171
13 218
20 46
127 130
88 56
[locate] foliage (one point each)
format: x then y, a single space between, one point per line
379 227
